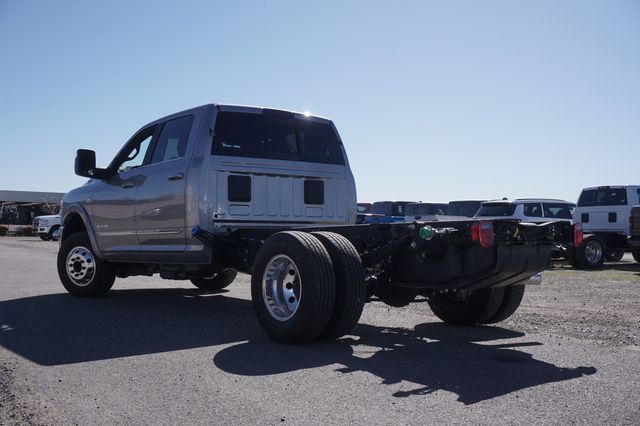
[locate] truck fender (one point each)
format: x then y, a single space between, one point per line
77 209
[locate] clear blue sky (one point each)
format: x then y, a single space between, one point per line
434 100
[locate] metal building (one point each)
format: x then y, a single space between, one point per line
20 207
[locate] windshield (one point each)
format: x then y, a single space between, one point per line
496 209
425 209
389 208
463 208
364 207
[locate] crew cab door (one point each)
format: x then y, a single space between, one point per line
112 203
160 203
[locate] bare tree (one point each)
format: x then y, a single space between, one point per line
50 206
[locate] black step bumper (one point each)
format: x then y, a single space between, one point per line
469 267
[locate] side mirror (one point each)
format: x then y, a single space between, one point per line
85 165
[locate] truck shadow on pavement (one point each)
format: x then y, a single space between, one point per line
59 329
476 363
433 357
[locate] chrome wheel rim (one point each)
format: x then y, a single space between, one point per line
281 287
81 266
593 252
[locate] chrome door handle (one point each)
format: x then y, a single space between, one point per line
127 185
177 176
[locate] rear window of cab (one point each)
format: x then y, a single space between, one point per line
603 197
276 135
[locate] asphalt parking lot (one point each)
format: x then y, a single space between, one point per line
163 352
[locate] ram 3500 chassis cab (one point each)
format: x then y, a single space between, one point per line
207 192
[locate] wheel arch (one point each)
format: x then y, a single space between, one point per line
76 219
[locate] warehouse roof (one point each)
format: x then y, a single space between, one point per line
30 197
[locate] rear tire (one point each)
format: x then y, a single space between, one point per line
351 291
572 257
513 295
636 255
293 287
614 255
467 307
216 282
82 273
590 254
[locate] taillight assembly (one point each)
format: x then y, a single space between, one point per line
482 233
577 234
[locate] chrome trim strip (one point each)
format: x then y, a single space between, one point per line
128 233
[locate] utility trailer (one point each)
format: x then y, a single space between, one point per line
209 192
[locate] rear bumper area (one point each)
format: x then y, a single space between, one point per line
470 267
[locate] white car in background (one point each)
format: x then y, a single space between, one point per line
531 210
46 227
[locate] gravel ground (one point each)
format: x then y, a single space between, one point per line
162 352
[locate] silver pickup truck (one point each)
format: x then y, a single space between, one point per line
205 193
47 227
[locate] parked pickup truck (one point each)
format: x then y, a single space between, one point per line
386 212
604 212
46 227
204 193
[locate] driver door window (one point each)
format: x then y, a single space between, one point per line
137 151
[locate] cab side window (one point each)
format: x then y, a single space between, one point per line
173 139
532 210
136 151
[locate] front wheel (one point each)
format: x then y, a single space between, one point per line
217 281
82 273
467 307
636 255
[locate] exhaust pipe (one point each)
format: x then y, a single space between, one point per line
533 280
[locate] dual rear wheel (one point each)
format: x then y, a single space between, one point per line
306 286
483 306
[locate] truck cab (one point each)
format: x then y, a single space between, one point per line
215 167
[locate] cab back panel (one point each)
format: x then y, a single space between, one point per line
277 166
279 198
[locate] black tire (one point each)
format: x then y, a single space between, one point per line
51 237
591 253
513 295
216 282
81 272
298 262
572 258
351 291
636 255
44 237
614 255
476 307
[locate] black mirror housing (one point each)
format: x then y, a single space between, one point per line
85 165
